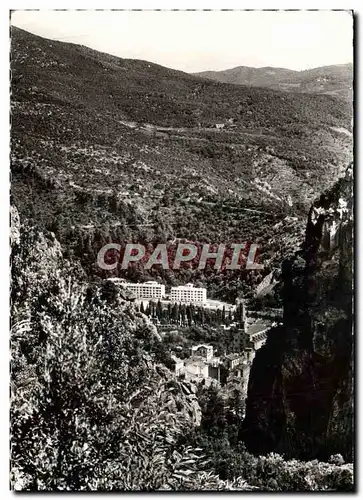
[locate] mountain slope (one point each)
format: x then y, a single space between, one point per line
334 80
245 75
110 149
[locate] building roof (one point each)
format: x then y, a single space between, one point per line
188 286
257 327
176 359
126 283
196 362
194 347
233 356
265 291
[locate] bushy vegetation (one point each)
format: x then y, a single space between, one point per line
94 407
190 314
218 437
145 91
80 172
332 80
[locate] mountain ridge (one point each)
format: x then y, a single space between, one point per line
103 147
332 79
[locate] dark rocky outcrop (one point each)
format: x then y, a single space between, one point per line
300 395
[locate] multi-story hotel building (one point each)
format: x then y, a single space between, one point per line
150 290
188 293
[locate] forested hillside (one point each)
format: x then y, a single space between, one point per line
95 409
107 149
331 80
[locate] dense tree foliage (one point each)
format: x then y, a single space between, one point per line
93 408
93 403
189 314
218 437
81 170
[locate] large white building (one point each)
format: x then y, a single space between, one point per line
188 293
148 290
151 290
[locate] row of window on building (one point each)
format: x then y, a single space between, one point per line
153 290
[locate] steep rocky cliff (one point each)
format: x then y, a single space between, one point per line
300 395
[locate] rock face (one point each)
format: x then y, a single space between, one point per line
300 395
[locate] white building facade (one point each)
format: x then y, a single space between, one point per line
150 290
188 293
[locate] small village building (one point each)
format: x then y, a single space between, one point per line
233 360
202 350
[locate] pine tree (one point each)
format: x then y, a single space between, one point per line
223 318
169 314
230 317
202 315
183 314
175 313
159 311
189 314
